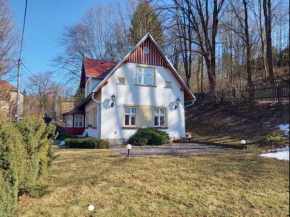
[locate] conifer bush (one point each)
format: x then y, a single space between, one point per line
12 167
149 136
37 139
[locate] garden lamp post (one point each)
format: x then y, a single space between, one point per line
189 137
243 142
128 147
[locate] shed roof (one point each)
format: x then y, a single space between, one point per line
4 85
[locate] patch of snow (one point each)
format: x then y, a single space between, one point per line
285 128
280 154
62 142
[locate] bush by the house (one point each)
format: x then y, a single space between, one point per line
63 136
25 153
149 136
87 143
275 140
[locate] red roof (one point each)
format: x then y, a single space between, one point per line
4 85
97 68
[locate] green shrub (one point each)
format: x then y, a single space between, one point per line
87 143
275 140
149 136
36 191
63 136
37 138
12 166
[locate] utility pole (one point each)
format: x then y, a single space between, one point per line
18 92
54 105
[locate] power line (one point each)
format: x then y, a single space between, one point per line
27 69
23 29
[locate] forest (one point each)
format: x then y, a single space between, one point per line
214 45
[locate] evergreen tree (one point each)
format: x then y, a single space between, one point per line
79 96
145 20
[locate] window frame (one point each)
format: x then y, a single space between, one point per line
69 121
168 82
124 80
131 114
143 74
75 121
160 115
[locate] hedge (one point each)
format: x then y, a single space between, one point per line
149 136
87 143
25 154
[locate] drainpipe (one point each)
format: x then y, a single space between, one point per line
99 115
192 102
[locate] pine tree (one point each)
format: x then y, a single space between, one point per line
145 20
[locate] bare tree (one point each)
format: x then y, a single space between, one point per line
8 40
41 86
102 33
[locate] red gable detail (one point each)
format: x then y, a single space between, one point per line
152 58
95 68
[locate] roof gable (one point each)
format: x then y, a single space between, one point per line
156 50
95 68
153 57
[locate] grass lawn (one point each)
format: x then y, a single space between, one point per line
235 183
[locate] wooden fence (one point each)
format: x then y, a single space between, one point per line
260 92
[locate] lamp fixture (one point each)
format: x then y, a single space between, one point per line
113 99
177 102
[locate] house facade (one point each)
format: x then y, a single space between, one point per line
8 101
143 90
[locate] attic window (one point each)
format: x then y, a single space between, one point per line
146 50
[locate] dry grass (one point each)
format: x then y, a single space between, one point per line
236 183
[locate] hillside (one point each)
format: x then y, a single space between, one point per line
228 123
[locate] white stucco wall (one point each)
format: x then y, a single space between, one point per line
131 94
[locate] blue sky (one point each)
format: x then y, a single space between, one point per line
44 23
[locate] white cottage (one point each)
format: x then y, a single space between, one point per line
143 90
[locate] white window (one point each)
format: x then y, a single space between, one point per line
69 120
145 76
79 120
159 117
130 116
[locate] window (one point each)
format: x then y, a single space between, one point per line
159 117
121 80
145 76
69 120
167 84
79 121
130 116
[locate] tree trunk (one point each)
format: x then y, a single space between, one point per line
267 16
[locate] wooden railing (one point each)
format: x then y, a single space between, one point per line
259 92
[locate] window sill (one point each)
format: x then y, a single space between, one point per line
130 128
120 84
145 85
164 128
